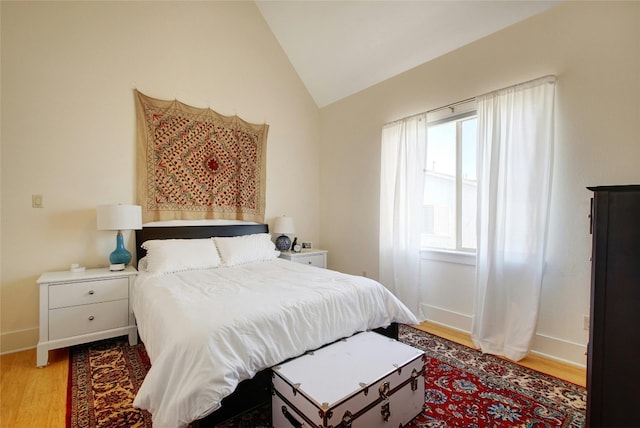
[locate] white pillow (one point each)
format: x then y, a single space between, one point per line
173 255
238 250
142 264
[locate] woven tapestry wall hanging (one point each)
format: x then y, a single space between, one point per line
193 163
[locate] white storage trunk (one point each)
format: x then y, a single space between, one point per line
367 380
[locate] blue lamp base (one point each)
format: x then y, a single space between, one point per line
119 256
283 243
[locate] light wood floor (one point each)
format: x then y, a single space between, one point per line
551 367
32 397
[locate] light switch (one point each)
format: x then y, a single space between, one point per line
36 201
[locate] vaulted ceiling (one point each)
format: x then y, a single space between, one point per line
341 47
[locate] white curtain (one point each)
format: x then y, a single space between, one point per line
515 154
401 193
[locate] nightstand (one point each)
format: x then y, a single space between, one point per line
311 257
80 307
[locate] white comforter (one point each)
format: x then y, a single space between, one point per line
207 330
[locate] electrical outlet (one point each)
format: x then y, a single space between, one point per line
36 201
585 322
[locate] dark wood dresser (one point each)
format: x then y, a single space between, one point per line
613 362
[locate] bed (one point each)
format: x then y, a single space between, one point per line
212 332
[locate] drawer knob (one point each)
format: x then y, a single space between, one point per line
91 292
91 318
309 262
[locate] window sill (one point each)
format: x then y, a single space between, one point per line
448 256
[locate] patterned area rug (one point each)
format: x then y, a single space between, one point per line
464 388
104 377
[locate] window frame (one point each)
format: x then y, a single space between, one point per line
454 113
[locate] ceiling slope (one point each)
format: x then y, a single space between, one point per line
341 47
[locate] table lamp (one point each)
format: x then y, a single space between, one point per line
284 226
119 217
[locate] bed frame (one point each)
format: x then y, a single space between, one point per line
253 392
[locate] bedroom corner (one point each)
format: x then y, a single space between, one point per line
69 70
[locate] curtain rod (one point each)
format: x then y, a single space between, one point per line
545 79
451 106
549 78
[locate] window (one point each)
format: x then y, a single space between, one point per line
450 186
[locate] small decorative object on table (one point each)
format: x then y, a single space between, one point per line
295 247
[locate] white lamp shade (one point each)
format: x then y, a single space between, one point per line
284 225
119 217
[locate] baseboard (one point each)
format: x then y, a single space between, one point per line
561 350
19 340
447 318
550 347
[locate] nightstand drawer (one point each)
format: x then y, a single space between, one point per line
317 260
82 293
78 320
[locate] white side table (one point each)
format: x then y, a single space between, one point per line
311 257
80 307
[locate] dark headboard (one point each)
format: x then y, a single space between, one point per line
194 232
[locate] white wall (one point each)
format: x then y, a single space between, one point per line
594 49
68 123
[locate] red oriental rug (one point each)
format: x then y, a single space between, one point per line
464 388
104 377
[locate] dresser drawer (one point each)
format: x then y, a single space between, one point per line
82 293
78 320
317 260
